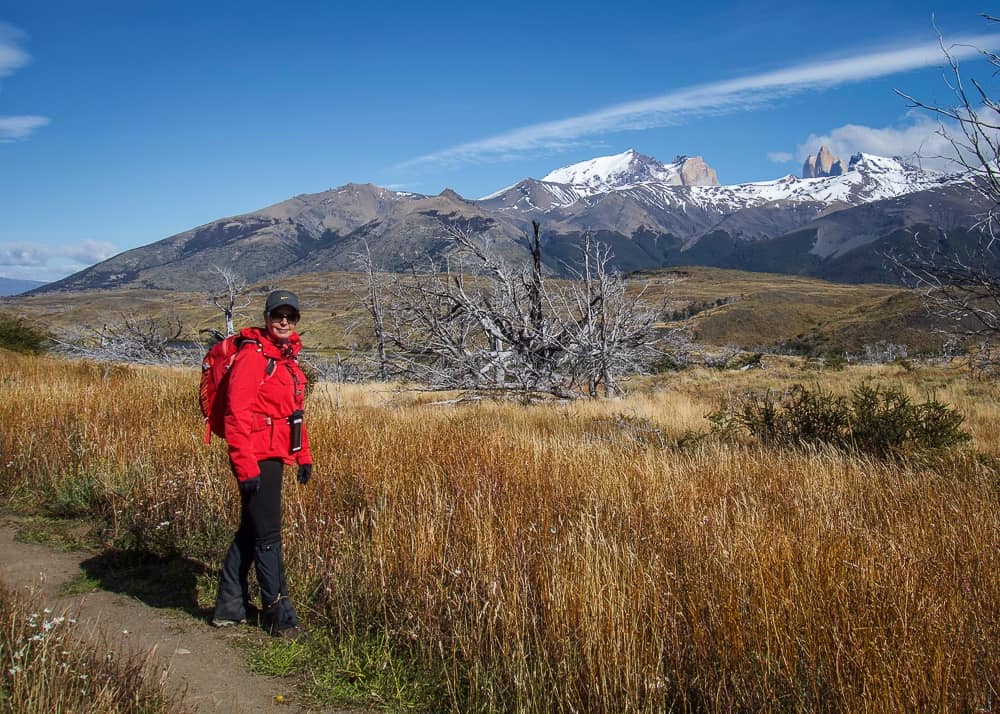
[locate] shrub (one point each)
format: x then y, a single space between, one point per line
745 360
17 336
877 420
835 360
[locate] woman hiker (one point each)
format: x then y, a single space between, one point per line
265 431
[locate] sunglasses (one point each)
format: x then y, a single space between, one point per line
290 318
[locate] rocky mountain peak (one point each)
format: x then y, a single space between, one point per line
629 168
451 194
823 163
695 172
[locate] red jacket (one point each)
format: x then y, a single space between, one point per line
259 404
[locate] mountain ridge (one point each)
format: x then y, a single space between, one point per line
652 213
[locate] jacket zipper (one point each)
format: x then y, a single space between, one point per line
296 392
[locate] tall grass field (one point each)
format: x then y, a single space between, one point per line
607 556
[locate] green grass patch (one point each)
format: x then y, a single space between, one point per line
277 658
66 534
73 497
349 671
80 585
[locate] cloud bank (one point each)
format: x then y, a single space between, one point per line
23 255
32 261
722 97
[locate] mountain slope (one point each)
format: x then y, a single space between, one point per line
323 231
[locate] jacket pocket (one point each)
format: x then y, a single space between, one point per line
262 433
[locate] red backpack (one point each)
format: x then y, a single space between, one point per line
214 381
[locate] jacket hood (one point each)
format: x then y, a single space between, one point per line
270 346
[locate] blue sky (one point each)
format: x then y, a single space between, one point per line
125 122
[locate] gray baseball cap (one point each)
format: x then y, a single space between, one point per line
281 298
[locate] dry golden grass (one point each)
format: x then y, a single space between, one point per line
556 558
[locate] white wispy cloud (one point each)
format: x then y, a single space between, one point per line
742 94
17 128
780 157
12 58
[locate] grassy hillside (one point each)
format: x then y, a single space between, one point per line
768 310
732 308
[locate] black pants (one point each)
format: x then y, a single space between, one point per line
257 542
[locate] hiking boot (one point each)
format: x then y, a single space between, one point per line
221 622
279 617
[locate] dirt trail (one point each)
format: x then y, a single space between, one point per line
203 662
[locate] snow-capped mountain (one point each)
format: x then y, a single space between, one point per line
630 168
663 186
651 214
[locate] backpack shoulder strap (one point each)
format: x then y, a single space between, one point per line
272 363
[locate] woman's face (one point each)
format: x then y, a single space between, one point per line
281 323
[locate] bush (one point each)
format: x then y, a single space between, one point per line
835 360
876 420
16 336
745 360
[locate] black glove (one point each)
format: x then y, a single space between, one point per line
305 473
250 486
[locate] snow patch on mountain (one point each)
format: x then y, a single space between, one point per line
606 173
630 168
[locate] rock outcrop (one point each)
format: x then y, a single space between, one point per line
694 171
822 163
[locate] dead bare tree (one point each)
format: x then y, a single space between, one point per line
475 324
975 119
229 298
373 304
961 285
134 341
